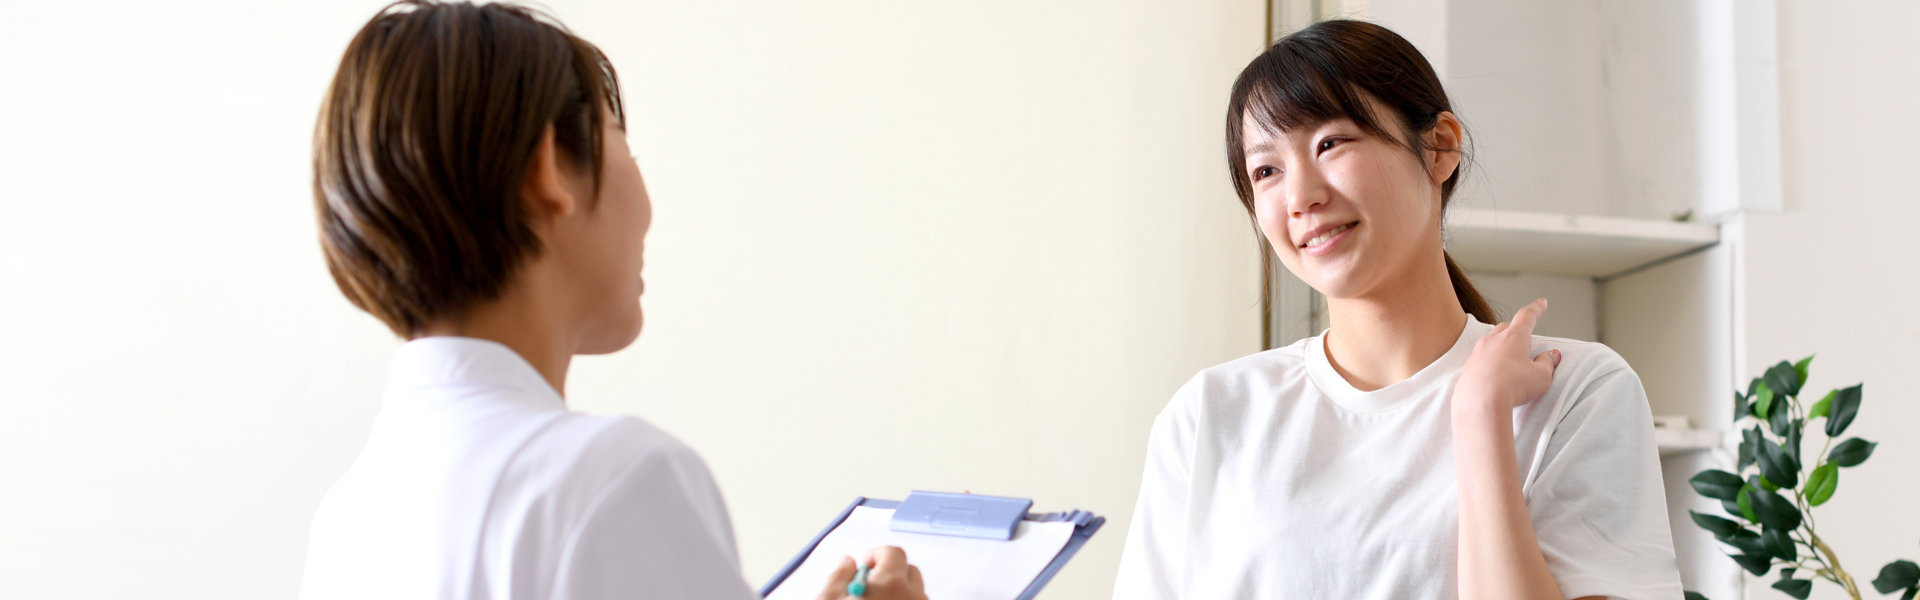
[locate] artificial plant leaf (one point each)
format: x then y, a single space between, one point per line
1721 528
1774 510
1746 504
1846 403
1798 588
1820 408
1739 405
1911 592
1897 574
1778 468
1760 481
1784 379
1851 452
1757 565
1800 368
1792 443
1763 405
1693 595
1782 418
1734 508
1779 544
1787 573
1717 484
1821 483
1747 542
1746 454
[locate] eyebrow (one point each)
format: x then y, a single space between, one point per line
1258 148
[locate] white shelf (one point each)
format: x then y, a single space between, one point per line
1678 441
1523 242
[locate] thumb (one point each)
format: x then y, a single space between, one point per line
1550 358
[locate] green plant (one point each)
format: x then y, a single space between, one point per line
1769 529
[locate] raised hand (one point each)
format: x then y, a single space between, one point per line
1502 370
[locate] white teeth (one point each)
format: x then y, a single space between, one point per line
1322 239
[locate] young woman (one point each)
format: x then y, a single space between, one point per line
475 194
1414 449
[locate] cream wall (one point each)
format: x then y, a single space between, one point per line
959 245
1834 273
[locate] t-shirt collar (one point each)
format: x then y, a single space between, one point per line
1440 371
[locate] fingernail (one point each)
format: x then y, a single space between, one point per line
1556 358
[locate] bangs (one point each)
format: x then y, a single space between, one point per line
1290 89
600 82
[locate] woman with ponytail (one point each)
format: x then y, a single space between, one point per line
1419 448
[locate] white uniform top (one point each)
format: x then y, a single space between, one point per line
477 483
1271 477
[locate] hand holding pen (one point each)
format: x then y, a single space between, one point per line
883 574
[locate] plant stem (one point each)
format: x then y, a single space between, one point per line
1826 556
1833 560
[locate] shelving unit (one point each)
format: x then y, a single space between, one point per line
1674 442
1598 248
1560 244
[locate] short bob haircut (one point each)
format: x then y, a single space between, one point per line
424 140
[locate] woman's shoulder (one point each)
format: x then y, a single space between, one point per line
1254 375
1580 357
588 453
1260 368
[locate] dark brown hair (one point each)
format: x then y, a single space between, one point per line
1325 72
424 140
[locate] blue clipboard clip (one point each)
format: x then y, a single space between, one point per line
966 515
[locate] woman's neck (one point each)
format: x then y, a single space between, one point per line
1381 339
531 324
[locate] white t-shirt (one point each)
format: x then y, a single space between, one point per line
1271 477
477 483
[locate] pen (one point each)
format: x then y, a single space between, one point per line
859 585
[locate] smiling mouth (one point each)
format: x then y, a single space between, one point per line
1329 235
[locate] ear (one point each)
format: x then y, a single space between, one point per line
544 188
1446 140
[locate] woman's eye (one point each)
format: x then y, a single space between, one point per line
1327 144
1263 173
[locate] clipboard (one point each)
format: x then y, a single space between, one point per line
963 515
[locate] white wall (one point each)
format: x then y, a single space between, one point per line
1834 273
962 245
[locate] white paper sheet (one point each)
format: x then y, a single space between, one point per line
955 568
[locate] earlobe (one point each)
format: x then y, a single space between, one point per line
544 189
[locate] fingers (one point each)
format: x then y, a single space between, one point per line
888 559
913 578
1528 316
838 580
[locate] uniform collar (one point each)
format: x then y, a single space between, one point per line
446 362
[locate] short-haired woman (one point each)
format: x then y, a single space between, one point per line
476 194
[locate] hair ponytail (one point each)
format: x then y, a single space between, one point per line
1470 298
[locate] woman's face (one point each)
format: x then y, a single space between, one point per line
1346 211
607 246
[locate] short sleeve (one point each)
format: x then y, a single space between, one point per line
659 530
1598 506
1152 561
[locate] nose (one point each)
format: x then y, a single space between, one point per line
1305 188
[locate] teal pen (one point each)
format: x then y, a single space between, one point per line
859 585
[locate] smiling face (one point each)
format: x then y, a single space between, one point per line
1348 211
